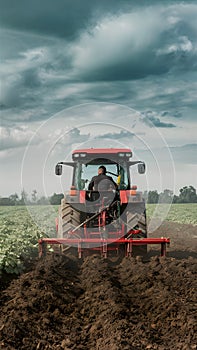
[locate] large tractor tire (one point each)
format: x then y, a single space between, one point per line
137 221
69 218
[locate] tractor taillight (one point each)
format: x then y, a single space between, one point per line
133 190
73 191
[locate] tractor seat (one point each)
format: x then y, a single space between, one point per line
101 197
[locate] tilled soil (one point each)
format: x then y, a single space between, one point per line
63 303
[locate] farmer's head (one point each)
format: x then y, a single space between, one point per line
102 170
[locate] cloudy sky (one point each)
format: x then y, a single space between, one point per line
78 73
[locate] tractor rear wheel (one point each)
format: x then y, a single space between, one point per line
69 218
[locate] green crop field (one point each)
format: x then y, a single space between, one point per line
181 213
21 227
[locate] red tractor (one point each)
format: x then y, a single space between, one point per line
110 218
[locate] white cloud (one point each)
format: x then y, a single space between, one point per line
12 138
136 41
27 75
183 44
117 39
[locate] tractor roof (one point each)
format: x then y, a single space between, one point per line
103 151
98 155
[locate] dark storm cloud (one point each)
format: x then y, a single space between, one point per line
31 77
57 18
116 57
151 120
175 114
21 89
159 124
152 41
63 18
116 136
72 137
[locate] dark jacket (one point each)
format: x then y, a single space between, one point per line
102 182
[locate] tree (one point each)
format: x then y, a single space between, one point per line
55 199
24 196
14 198
34 196
153 197
145 195
42 201
5 201
188 194
166 196
176 199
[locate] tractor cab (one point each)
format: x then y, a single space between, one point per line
85 171
86 163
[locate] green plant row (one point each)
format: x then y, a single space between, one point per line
19 235
180 213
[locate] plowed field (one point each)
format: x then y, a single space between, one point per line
65 303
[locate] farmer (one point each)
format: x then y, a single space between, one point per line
102 182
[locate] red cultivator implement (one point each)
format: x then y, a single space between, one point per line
86 244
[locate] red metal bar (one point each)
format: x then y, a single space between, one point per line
136 241
134 232
129 249
79 250
104 249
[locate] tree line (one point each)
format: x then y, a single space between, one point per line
187 194
33 199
